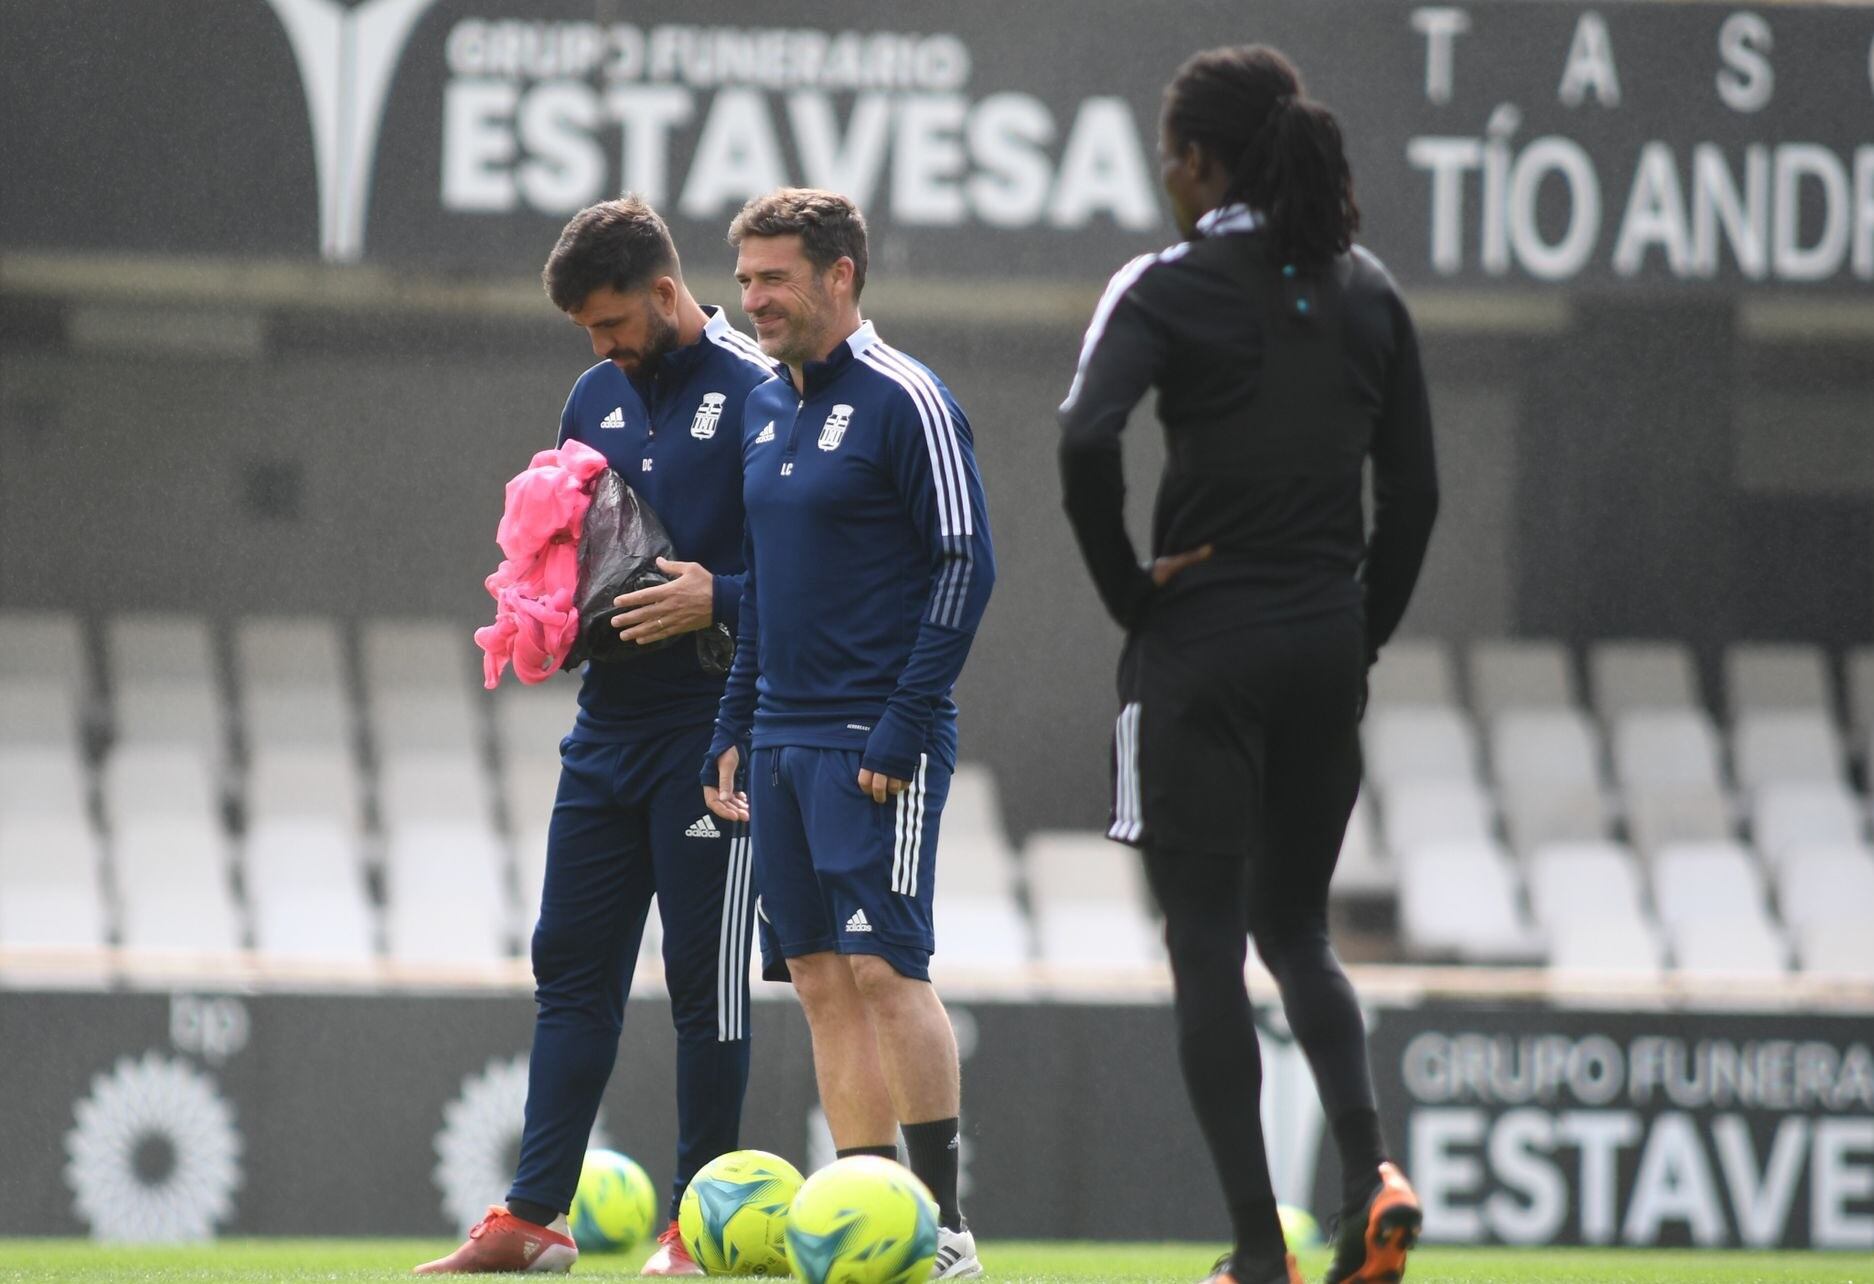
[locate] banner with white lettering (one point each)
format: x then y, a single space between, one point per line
1665 145
1531 1125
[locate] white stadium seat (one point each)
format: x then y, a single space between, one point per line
44 782
1413 671
44 648
1827 884
530 721
39 714
530 873
1784 745
1860 672
306 888
1460 900
1584 882
1536 813
418 654
976 857
1705 881
1796 813
186 714
305 782
1417 812
303 651
1747 946
51 891
173 884
1628 946
1418 743
158 648
159 780
1544 747
1837 948
421 785
425 719
297 716
1666 747
1762 676
1627 675
1089 902
445 899
1363 868
529 786
980 931
1521 674
1661 814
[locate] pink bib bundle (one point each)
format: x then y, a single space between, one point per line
535 587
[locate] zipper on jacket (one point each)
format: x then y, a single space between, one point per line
793 430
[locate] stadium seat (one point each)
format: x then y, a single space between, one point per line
44 648
290 717
979 931
1583 882
173 887
305 783
1795 813
1658 815
1666 747
1628 946
159 648
445 900
1521 674
1860 672
39 714
1460 900
51 892
419 654
1363 868
1544 747
529 786
1089 902
1627 675
184 714
1764 676
425 785
1434 811
1786 746
1418 743
1747 946
530 721
530 873
46 782
425 719
159 780
1836 948
1413 671
1535 813
1827 883
1705 881
289 651
977 859
306 889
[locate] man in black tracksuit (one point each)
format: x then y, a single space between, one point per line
1249 632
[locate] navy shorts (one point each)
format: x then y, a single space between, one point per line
836 871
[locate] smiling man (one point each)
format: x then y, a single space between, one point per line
869 566
664 405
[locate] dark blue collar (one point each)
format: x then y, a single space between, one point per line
819 374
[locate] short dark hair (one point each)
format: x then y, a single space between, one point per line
830 226
1245 105
622 244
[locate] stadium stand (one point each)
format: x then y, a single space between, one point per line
423 844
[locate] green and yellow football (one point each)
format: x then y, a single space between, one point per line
864 1220
733 1217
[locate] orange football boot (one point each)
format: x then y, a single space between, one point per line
1371 1248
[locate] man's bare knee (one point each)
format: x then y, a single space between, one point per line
882 985
822 982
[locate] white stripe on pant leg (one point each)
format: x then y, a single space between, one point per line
723 946
1120 793
897 841
743 866
1126 819
917 823
1138 777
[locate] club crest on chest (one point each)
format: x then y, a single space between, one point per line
834 429
708 415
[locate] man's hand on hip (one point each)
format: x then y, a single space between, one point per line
722 798
684 605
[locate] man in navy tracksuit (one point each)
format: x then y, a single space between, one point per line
665 407
869 565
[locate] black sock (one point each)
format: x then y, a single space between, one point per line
1362 1151
883 1152
528 1211
1260 1248
933 1148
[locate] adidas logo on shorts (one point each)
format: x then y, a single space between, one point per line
704 828
857 922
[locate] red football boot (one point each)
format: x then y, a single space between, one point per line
504 1243
672 1256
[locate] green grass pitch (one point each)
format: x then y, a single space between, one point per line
1009 1262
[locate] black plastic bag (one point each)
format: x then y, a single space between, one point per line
618 551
